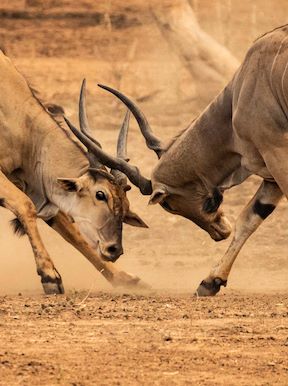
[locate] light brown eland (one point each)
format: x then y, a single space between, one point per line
46 174
244 131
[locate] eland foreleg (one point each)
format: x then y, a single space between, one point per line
260 207
17 202
62 224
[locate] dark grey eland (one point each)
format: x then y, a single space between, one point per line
244 131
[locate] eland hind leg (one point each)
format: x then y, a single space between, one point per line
17 202
261 205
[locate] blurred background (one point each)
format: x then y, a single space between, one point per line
172 57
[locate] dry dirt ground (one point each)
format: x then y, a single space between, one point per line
166 337
152 339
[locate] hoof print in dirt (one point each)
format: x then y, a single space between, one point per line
210 289
52 286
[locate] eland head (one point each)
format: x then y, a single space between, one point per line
98 202
190 197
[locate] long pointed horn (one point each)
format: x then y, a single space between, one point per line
132 172
84 125
152 142
122 149
122 138
83 120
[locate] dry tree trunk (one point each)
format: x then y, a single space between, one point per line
206 60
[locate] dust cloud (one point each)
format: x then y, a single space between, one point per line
126 47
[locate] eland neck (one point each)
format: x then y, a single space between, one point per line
205 150
50 153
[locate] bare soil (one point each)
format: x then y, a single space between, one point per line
156 339
167 337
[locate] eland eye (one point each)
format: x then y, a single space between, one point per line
100 196
165 205
211 204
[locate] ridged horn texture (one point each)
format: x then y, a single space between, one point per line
84 126
83 120
132 172
152 142
118 163
122 138
122 149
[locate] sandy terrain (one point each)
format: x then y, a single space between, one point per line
166 337
155 339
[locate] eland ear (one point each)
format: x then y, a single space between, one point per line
158 196
68 184
133 219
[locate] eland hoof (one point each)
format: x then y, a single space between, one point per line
210 288
52 285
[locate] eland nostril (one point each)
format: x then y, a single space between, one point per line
112 249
